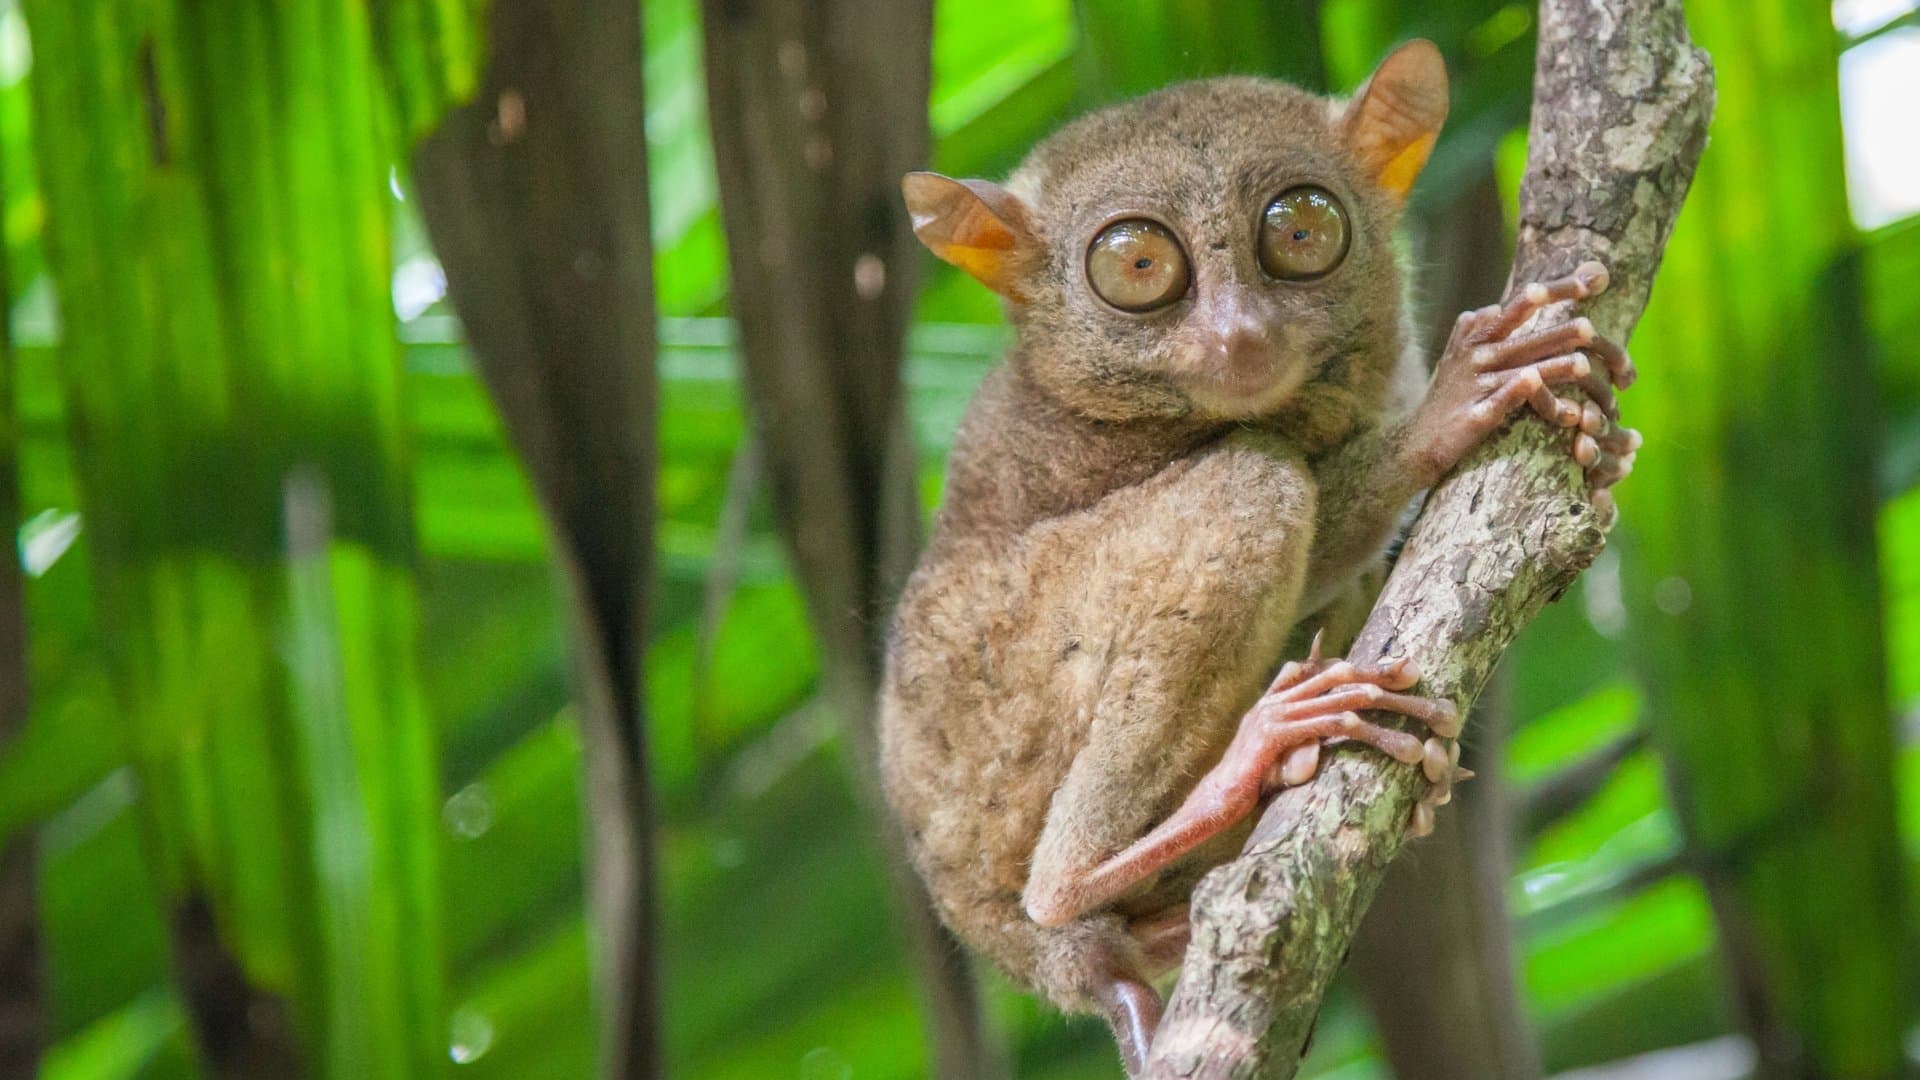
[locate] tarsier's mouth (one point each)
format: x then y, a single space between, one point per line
1242 392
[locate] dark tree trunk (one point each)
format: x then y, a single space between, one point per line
536 198
818 109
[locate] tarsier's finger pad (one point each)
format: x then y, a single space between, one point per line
1605 510
1585 450
1420 823
1300 765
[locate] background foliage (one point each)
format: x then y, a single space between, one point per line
344 726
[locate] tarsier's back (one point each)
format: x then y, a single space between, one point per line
1198 447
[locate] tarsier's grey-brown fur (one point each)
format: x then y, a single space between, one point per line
1122 559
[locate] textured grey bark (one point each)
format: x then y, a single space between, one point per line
1621 103
818 107
535 195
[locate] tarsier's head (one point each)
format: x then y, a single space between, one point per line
1207 250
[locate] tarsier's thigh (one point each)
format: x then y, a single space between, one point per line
1158 614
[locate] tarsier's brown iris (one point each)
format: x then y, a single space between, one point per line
1303 234
1137 265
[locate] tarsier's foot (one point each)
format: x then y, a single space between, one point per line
1311 701
1438 755
1314 700
1487 373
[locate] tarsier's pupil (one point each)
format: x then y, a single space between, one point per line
1142 264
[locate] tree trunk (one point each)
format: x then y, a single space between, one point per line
1752 574
535 195
1621 101
817 110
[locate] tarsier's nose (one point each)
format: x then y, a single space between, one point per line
1237 345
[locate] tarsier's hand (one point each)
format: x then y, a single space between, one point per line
1487 374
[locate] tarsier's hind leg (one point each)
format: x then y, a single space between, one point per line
1310 701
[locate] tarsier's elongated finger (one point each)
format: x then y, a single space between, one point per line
1529 389
1438 714
1614 358
1396 674
1609 470
1605 509
1421 822
1587 279
1595 422
1601 455
1531 348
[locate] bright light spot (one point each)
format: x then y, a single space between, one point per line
472 1037
418 284
393 183
16 49
1879 84
1544 880
45 537
822 1063
1856 17
469 812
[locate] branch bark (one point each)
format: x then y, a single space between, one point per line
1621 103
1445 913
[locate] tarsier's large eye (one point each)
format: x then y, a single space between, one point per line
1303 234
1137 265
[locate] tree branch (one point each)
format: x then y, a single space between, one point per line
1621 102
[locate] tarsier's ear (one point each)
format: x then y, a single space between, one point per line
977 226
1393 122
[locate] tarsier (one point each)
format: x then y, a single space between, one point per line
1210 425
